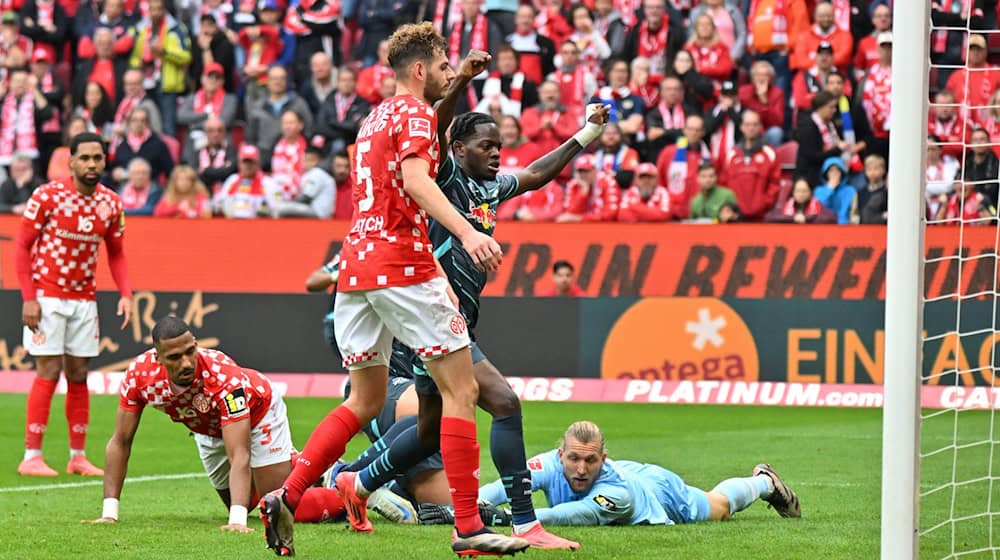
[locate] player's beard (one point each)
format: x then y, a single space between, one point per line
88 181
434 90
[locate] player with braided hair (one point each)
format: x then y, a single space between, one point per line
469 179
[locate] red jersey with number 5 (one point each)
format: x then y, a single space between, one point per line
222 392
387 245
69 228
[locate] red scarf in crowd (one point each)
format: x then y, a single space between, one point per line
132 198
779 22
135 141
286 165
125 108
813 207
343 105
627 9
876 99
213 106
723 139
947 129
654 46
478 40
828 131
672 117
17 127
209 159
571 84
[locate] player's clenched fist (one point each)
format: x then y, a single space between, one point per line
484 250
475 63
598 113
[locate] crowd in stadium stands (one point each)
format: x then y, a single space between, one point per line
723 110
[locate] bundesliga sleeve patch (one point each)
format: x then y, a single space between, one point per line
420 127
236 402
605 503
31 209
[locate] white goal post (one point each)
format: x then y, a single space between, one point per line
904 281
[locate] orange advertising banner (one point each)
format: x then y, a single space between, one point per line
731 261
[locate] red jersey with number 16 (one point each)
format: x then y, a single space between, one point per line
388 246
222 392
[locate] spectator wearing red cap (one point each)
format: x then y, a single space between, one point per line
678 165
824 30
983 78
535 51
646 200
249 192
49 131
752 171
45 22
591 195
210 100
211 45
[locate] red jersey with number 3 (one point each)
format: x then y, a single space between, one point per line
387 245
69 227
222 392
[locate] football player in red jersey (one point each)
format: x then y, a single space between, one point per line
56 260
391 286
240 425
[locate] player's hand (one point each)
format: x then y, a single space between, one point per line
125 311
236 528
31 314
434 514
484 250
100 521
474 64
598 113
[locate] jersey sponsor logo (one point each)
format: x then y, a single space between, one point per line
535 464
482 215
420 127
201 403
66 234
85 224
606 503
31 209
104 211
457 324
236 401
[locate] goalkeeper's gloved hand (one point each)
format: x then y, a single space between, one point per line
494 516
434 514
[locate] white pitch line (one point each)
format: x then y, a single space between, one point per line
149 478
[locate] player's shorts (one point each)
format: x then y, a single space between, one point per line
422 378
270 443
421 316
68 326
683 503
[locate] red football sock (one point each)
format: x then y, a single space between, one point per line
460 454
77 414
319 504
325 445
37 417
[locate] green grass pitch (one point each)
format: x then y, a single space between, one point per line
831 457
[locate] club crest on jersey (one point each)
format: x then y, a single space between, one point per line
482 214
457 324
38 338
104 211
201 403
420 127
535 464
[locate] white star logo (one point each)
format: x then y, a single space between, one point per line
706 329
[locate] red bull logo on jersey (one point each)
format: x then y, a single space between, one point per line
482 214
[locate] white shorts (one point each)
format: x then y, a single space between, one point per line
68 326
270 443
421 316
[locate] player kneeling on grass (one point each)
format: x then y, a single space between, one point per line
584 487
240 425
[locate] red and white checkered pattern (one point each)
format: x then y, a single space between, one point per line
359 357
431 351
146 383
388 245
64 261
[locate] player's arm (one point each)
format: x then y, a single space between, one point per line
546 168
605 505
116 455
118 264
31 227
418 184
236 439
472 65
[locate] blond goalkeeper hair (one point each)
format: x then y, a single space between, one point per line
584 431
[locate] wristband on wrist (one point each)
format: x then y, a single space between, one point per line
110 508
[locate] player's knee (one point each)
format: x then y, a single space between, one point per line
76 373
364 409
499 400
49 368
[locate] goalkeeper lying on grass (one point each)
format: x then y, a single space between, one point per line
584 487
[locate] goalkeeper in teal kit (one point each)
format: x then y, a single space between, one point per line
583 487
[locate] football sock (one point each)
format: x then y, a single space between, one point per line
404 452
381 444
507 449
37 417
460 455
77 414
32 453
74 453
319 504
744 491
325 445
